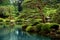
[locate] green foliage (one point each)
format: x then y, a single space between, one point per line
4 2
29 28
30 17
48 11
7 10
56 17
1 20
46 27
41 27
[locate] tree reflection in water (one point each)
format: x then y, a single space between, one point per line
23 36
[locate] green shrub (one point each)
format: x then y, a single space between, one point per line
46 27
43 27
39 26
7 10
29 28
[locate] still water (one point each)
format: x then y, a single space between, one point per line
20 35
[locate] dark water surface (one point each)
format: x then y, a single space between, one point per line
22 36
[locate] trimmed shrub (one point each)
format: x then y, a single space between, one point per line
39 26
46 27
42 27
29 28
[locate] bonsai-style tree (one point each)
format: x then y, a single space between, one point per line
38 4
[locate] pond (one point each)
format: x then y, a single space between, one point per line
20 35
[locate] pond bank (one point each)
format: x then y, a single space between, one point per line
47 29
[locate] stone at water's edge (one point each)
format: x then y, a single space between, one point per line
59 27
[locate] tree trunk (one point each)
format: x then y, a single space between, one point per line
40 6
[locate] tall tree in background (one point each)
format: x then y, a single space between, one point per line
40 5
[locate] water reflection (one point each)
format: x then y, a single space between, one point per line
23 36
